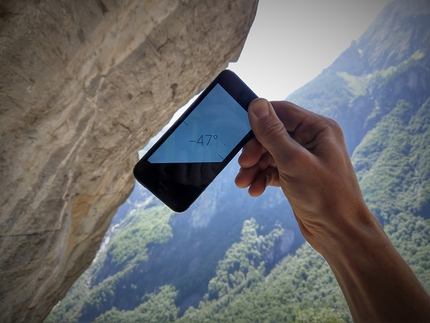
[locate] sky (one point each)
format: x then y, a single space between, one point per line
292 41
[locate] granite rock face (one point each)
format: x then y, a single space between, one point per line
83 86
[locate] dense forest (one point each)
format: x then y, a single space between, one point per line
232 258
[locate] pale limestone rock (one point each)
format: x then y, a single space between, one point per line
83 86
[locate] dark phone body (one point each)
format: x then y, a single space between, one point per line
188 157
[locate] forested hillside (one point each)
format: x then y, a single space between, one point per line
148 247
235 258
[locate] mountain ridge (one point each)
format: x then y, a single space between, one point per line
384 110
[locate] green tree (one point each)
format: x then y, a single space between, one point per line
157 307
323 315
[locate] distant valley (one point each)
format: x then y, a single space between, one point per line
231 257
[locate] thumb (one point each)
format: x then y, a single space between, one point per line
270 131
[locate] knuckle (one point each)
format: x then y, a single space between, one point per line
335 127
273 131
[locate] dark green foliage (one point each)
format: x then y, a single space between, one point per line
127 249
300 282
227 261
186 260
324 315
244 263
327 94
411 237
129 246
158 307
393 168
393 162
68 310
108 276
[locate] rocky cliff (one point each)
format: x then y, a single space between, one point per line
83 86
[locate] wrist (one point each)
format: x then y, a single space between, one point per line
360 234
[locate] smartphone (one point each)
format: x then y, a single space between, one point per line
197 147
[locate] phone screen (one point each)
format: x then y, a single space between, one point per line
187 158
208 134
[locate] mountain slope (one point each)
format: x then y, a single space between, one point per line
180 250
234 258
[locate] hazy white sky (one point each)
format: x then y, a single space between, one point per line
292 41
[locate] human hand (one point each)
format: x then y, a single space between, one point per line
305 154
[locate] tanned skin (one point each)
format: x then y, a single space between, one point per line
305 154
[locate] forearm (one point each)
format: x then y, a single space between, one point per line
377 283
305 154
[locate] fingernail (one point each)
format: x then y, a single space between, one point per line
260 108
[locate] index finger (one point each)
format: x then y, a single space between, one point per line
299 122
